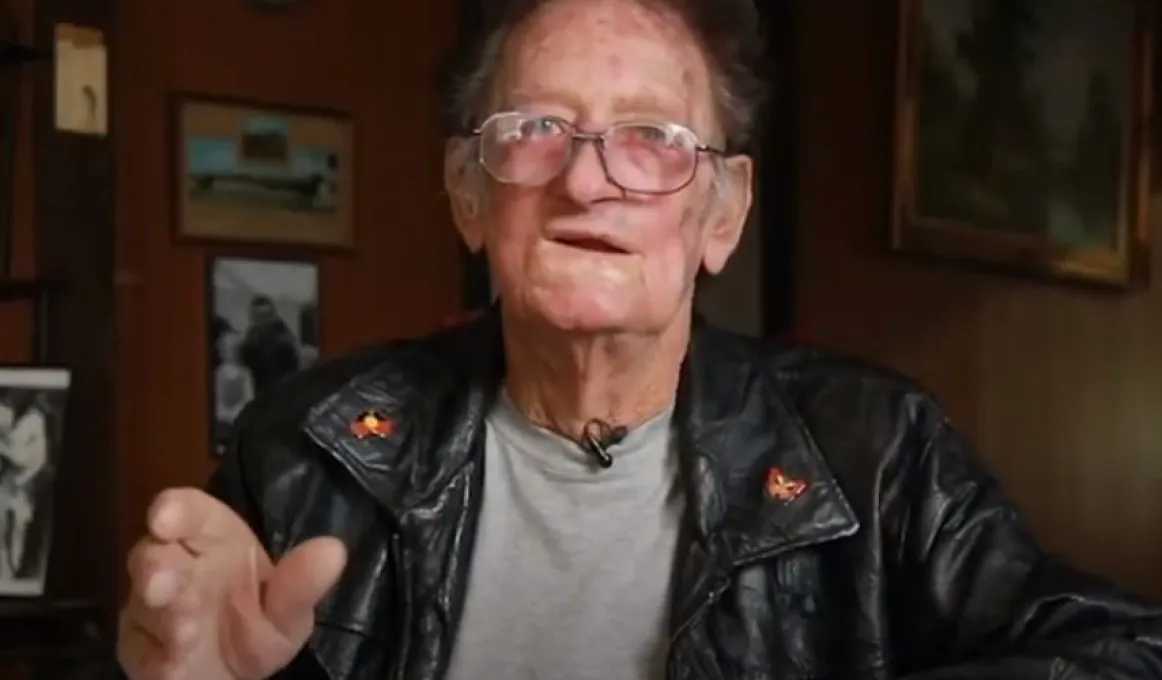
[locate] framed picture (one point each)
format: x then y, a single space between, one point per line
1022 136
263 323
260 174
32 414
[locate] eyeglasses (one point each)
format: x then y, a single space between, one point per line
637 157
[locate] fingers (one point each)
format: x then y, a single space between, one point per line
158 571
170 632
194 518
300 580
159 642
136 648
265 632
203 588
160 616
251 645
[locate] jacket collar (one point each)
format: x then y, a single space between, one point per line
735 427
738 429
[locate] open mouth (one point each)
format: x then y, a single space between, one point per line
591 244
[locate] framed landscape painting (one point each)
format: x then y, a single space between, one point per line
260 174
1022 136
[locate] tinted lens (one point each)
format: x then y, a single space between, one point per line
650 158
522 149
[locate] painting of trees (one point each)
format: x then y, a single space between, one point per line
1021 120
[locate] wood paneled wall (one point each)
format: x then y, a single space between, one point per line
14 317
375 60
63 230
1060 386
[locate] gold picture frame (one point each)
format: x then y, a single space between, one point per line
1022 136
262 174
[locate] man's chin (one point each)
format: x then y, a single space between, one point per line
584 315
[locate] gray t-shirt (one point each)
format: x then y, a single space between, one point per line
571 574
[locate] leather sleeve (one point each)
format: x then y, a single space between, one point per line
976 598
229 483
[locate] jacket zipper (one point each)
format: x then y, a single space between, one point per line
710 599
713 596
403 586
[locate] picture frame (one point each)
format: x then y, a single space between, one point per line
33 402
1023 144
263 324
254 173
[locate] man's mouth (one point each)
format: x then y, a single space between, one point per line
590 243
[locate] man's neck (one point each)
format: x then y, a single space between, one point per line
561 383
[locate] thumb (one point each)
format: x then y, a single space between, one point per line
299 581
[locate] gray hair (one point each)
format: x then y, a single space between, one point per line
727 32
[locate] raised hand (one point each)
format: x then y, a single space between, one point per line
207 603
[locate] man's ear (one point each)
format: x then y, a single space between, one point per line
729 217
464 194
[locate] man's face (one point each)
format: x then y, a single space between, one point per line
261 313
595 63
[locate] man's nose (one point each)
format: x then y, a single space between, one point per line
585 178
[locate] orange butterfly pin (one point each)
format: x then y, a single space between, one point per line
784 488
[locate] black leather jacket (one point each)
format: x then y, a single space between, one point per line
900 557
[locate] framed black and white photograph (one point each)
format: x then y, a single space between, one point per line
264 326
32 414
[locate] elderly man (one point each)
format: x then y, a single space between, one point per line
588 482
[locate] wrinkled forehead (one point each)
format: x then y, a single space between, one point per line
604 60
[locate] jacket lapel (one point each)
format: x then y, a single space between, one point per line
736 433
423 465
433 397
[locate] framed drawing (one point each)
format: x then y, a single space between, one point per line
260 174
263 324
32 413
1022 136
